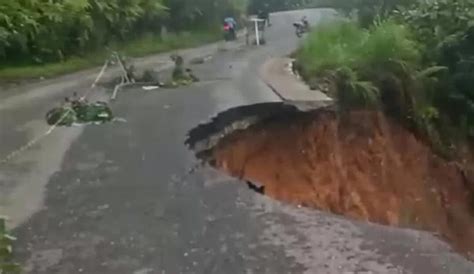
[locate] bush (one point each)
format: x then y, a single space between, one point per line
343 44
389 42
361 62
330 46
447 29
7 265
40 31
418 65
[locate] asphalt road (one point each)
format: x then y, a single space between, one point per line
119 198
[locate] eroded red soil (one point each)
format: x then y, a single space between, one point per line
364 167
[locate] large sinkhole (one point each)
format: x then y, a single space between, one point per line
363 166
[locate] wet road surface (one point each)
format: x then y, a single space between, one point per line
120 198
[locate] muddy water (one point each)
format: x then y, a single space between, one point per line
362 167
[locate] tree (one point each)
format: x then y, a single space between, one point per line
50 30
40 31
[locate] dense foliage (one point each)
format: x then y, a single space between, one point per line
415 62
447 29
362 64
367 11
51 30
7 265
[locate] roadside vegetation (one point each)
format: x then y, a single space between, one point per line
414 62
146 45
46 38
7 265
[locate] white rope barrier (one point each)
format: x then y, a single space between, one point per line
37 139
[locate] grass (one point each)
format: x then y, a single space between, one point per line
152 44
136 48
49 70
380 67
331 46
7 265
344 44
356 55
372 67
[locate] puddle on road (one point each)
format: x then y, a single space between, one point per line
363 167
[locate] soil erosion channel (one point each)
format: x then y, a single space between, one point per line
364 167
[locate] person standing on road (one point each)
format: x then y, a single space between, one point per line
264 14
266 11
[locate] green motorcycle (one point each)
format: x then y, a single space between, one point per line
79 112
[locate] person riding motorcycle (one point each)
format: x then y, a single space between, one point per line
301 26
230 26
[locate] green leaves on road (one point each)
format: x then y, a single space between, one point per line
7 265
79 111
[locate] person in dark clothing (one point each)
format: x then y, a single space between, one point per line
230 25
264 15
